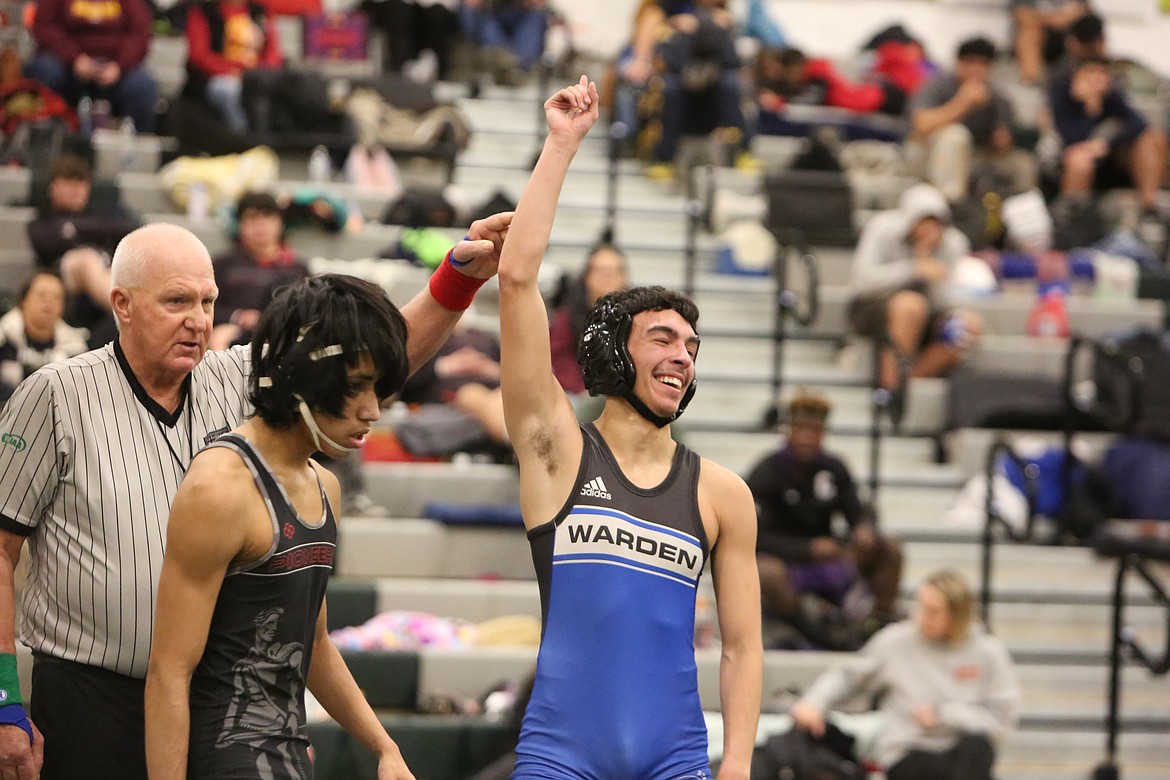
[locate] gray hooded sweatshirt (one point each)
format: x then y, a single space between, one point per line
884 260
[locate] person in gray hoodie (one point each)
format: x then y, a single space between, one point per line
949 690
899 282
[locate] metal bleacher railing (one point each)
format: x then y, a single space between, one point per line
1133 543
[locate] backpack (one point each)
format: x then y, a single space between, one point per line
26 101
797 754
36 124
420 206
1148 408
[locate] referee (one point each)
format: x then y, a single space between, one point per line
92 450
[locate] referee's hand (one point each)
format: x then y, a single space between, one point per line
18 759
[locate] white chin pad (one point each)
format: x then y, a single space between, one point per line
315 431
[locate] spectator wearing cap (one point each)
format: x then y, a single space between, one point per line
799 490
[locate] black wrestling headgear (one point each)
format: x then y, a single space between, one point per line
311 333
604 351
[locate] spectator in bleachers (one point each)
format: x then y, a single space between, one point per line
786 76
1106 141
74 236
961 126
799 490
248 276
414 26
509 32
68 216
33 334
948 689
97 47
900 286
1040 27
464 373
250 272
690 48
605 272
1085 38
225 39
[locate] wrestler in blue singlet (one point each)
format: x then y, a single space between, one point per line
616 694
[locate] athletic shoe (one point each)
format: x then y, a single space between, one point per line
660 171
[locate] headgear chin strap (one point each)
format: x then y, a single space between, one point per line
316 432
644 410
604 357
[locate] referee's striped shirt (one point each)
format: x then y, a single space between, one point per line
89 464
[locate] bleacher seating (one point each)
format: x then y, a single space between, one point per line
1052 604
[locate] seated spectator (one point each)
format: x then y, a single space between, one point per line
248 275
1106 141
1085 38
948 689
785 76
900 283
74 236
33 334
1040 27
68 216
899 58
799 490
225 39
510 33
689 46
605 272
412 27
97 48
962 124
250 272
464 373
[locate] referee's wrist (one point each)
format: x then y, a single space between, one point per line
9 680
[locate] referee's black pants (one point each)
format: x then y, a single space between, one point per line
92 720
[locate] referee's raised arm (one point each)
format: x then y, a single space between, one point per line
92 451
431 315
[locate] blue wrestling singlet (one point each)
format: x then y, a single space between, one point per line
616 694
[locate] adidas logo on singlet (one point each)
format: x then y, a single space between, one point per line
596 488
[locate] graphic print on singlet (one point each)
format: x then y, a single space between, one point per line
616 693
254 713
247 693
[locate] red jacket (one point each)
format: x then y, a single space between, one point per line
841 93
117 30
206 58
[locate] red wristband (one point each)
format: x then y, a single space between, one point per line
453 290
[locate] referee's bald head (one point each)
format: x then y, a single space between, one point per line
163 300
144 250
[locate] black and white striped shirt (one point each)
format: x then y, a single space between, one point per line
89 464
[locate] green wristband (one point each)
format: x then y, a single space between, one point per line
9 683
